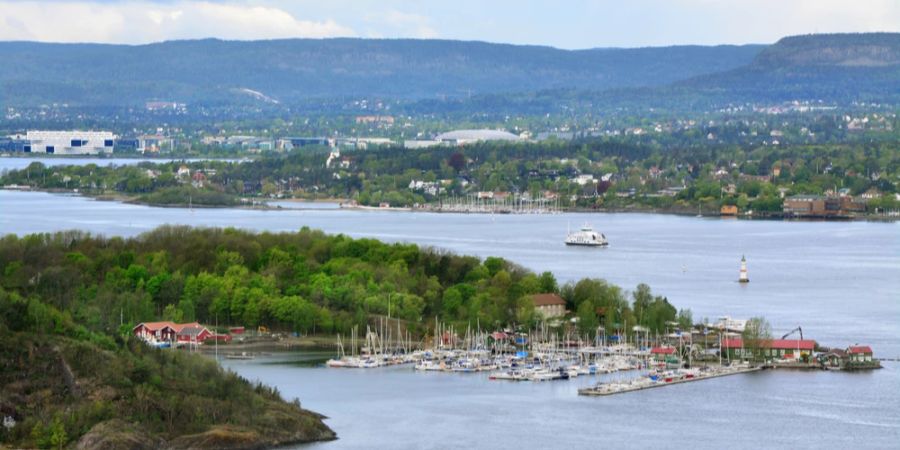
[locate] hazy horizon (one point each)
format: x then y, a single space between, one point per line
578 24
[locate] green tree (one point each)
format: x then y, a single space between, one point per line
587 319
756 337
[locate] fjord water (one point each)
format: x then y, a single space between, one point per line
840 281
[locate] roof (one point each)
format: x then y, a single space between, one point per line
154 326
780 344
192 331
477 135
662 350
859 349
547 300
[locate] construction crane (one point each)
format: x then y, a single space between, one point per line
794 331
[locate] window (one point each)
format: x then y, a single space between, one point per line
50 149
108 143
27 149
77 142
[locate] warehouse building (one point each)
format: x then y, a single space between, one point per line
67 142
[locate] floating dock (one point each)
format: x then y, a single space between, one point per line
647 382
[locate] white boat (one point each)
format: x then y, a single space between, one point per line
586 236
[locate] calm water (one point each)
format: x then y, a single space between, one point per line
397 407
839 281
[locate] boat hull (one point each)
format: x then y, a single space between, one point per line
588 244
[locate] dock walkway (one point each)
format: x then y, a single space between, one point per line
646 383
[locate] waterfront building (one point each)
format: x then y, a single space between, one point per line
67 142
193 333
789 349
167 331
728 210
158 331
833 359
860 353
661 354
819 206
549 306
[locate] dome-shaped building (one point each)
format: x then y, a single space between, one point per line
462 137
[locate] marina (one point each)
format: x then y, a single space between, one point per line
663 251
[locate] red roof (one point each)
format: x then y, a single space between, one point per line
662 350
779 344
154 326
547 300
859 349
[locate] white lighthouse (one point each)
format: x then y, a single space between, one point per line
743 278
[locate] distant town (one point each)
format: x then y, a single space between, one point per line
458 171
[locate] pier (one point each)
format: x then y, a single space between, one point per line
664 379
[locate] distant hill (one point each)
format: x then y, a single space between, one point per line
220 72
440 75
831 67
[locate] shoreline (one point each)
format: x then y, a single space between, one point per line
265 206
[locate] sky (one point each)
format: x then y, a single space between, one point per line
569 24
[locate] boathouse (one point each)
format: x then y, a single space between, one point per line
833 359
549 306
860 353
792 349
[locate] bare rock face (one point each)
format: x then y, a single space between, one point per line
116 434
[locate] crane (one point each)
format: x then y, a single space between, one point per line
794 331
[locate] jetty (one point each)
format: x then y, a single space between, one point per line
668 378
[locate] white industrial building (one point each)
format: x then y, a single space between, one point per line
68 142
463 137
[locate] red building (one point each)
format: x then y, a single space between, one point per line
155 331
775 348
661 353
171 332
860 353
193 334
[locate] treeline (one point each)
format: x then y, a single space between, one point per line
305 281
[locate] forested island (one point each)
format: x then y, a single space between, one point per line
72 372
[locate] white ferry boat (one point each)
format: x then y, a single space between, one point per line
586 236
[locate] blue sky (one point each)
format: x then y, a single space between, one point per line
563 23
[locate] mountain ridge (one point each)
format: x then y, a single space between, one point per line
291 72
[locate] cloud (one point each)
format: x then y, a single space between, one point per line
403 24
147 21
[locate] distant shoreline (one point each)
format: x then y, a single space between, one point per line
343 206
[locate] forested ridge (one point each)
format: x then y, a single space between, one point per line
306 281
